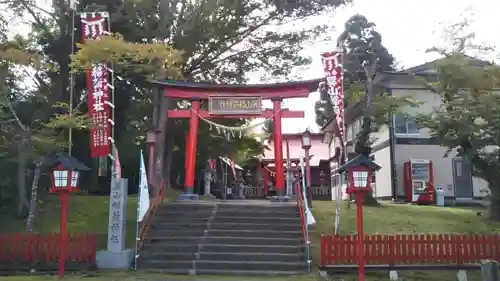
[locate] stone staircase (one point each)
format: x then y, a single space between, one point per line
225 238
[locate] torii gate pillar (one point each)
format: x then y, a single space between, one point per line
192 140
278 148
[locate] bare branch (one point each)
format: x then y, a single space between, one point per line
237 39
13 112
38 21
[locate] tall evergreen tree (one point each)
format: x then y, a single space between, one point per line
361 46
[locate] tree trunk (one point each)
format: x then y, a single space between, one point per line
34 193
363 146
22 202
160 145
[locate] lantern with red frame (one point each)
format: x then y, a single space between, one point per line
66 174
359 171
64 180
306 139
359 179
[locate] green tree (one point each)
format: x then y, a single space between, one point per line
30 116
364 56
363 51
467 122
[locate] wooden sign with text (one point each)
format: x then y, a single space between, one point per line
230 105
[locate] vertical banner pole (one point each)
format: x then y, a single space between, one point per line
334 72
137 225
71 84
306 217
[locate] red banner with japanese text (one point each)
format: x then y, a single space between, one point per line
333 69
94 26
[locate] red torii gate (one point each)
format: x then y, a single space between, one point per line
231 101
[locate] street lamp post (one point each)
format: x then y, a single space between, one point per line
359 172
306 145
64 180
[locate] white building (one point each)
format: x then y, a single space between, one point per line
403 140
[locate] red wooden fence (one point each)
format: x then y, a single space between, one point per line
43 249
411 249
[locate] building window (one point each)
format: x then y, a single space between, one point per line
405 125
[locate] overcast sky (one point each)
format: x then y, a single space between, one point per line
408 28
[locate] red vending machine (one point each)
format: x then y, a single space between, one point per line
419 181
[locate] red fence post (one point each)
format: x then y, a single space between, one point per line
324 250
93 249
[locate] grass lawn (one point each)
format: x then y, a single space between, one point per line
399 219
90 214
85 214
132 276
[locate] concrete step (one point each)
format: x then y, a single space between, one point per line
156 239
259 214
232 248
168 247
178 225
158 233
177 206
188 240
211 272
256 273
160 221
166 271
217 225
253 241
200 232
243 257
166 264
269 257
178 214
269 220
255 233
159 255
265 205
249 265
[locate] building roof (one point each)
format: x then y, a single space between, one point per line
229 161
357 161
67 161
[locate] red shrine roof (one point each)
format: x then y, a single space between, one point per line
180 89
